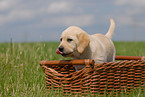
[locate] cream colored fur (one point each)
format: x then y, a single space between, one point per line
84 46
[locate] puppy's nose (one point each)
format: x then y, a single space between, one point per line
61 48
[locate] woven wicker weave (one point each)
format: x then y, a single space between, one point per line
94 78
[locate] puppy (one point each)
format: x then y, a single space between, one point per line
76 43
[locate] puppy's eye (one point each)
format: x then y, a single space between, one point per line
69 40
60 39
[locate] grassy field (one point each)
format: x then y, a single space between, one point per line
21 74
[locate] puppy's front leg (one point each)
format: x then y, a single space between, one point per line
100 60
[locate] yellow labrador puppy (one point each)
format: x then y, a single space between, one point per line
76 43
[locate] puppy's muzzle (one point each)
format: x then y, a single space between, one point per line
60 50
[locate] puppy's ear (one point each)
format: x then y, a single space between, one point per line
83 41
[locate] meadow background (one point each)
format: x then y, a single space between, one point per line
22 76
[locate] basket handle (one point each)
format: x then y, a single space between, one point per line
86 61
129 58
68 62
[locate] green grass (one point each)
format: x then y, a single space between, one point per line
130 48
21 74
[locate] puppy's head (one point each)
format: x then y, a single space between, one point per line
73 42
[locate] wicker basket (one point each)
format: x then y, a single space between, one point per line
94 78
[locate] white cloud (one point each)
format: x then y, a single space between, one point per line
58 7
131 12
79 20
132 2
124 20
17 15
49 14
132 7
12 10
7 4
21 11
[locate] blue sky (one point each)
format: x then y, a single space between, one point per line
44 20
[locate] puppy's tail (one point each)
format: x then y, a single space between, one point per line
111 30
